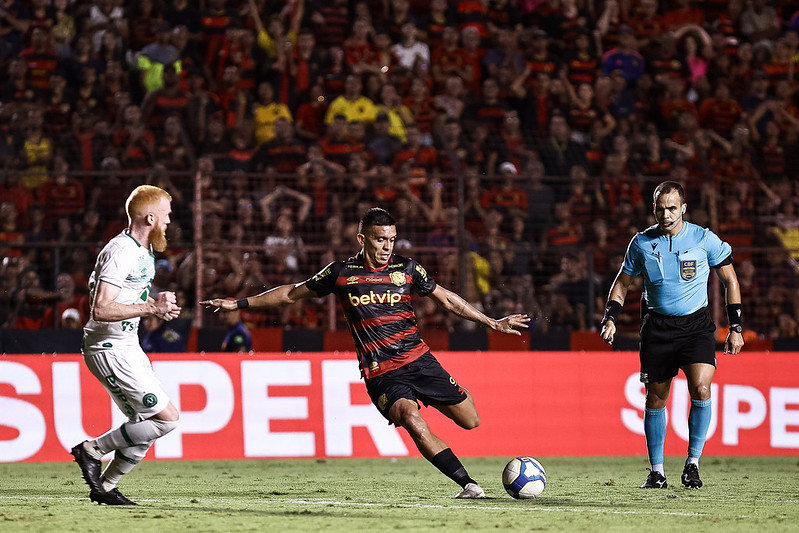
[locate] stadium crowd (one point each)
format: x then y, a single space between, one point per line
544 123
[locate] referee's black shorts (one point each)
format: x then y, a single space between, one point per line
671 342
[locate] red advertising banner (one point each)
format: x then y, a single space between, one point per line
275 405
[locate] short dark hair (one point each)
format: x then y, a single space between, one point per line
376 216
667 187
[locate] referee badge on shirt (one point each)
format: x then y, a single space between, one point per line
688 269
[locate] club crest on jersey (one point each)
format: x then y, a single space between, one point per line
397 278
688 269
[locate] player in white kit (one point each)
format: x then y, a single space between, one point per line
119 291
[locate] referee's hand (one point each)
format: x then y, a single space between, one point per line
608 332
734 343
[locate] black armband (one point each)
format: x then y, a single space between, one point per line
612 310
733 314
242 303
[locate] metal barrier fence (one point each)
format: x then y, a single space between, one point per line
549 247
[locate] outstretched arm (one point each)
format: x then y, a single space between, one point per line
450 301
275 297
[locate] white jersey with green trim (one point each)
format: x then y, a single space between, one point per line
126 264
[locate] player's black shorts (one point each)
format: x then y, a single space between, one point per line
670 342
422 380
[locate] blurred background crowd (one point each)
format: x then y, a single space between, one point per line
517 142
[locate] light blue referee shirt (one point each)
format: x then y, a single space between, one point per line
675 268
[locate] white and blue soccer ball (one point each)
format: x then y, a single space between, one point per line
524 478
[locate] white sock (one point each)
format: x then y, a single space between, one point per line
123 462
133 433
692 461
659 468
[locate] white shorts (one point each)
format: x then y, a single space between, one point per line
127 375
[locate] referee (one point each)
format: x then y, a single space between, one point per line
674 257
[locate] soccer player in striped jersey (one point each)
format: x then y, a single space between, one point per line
374 288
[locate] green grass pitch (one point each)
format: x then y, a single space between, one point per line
583 494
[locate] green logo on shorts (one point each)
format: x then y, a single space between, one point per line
149 399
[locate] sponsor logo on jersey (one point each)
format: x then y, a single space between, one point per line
688 269
397 278
422 272
352 280
117 391
387 297
322 274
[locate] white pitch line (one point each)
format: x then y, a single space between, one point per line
475 507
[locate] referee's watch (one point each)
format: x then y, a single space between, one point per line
737 328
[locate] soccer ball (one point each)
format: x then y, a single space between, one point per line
524 477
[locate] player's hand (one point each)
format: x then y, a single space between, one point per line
734 343
508 323
608 332
218 304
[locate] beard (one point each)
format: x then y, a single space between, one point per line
157 238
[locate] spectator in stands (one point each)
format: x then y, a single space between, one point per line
382 145
31 301
473 54
721 112
36 150
450 103
410 52
167 100
13 191
68 300
760 23
559 153
62 194
135 143
352 104
237 338
155 56
625 57
507 196
160 336
71 319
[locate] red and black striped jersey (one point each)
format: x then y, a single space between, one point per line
377 305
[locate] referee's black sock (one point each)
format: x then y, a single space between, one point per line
451 467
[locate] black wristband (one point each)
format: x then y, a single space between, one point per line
612 310
733 314
242 303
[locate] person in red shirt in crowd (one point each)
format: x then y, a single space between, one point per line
14 192
310 120
61 194
40 57
433 24
236 103
448 59
305 64
164 102
358 49
720 112
507 197
68 299
134 142
413 151
683 14
489 110
284 153
473 54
